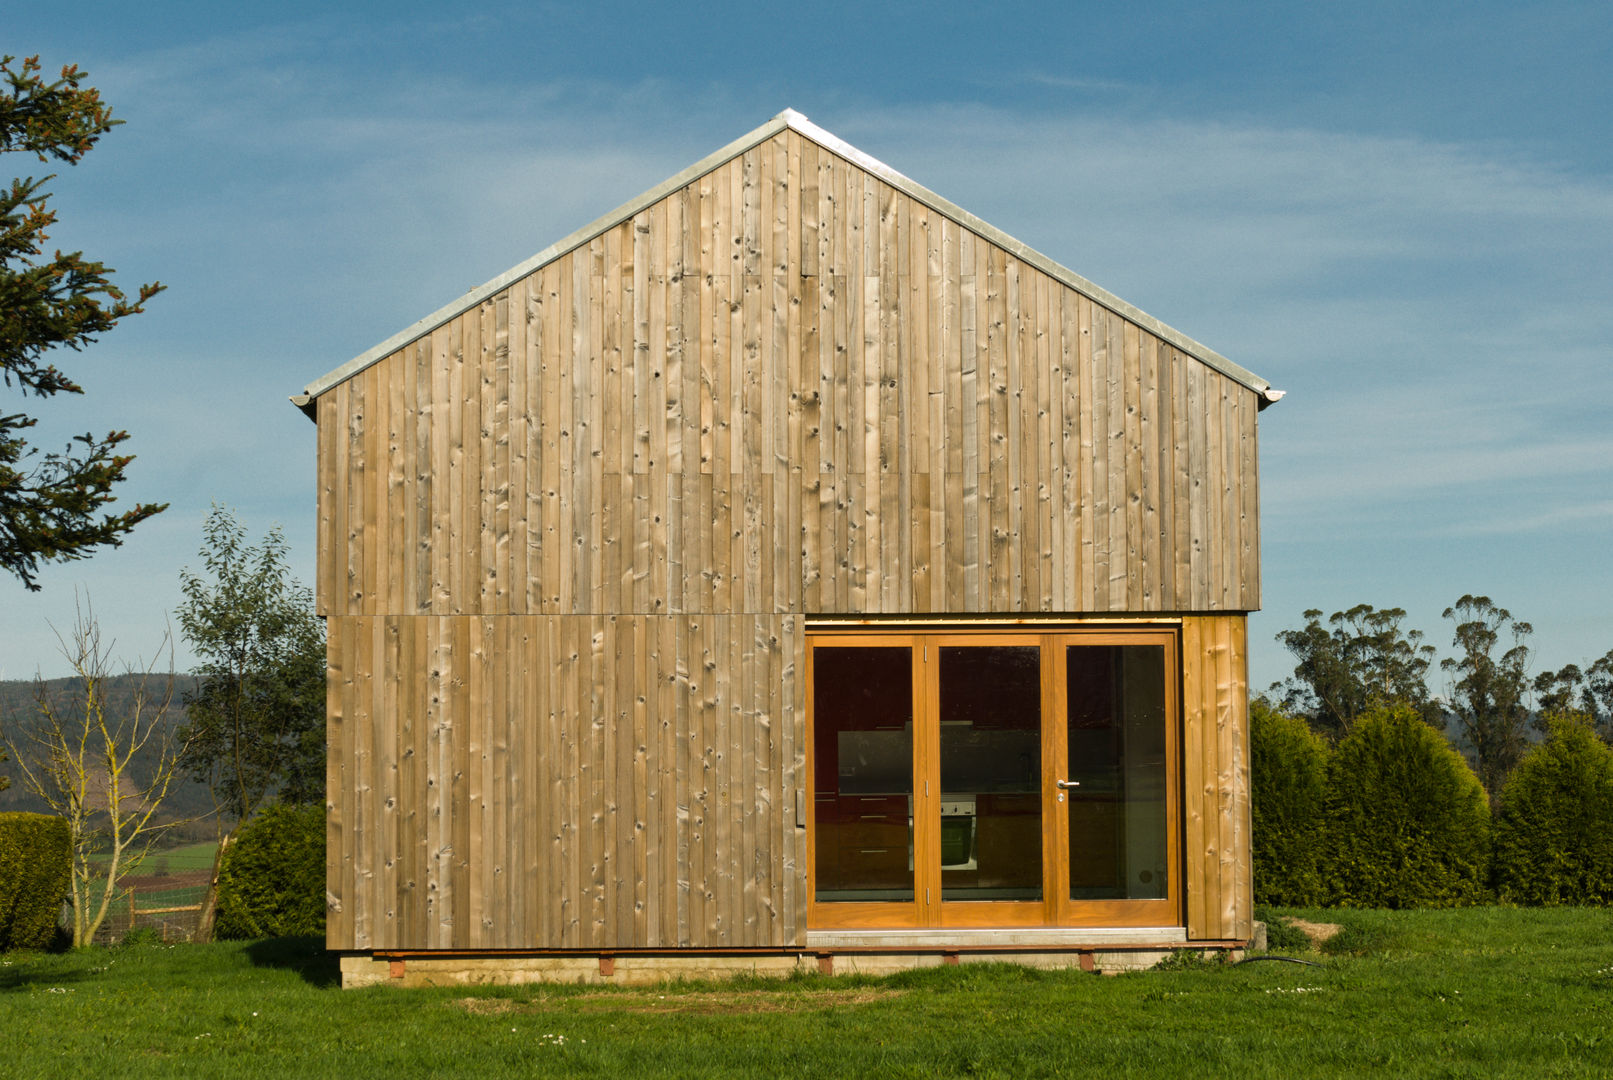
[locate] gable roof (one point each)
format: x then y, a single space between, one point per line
790 119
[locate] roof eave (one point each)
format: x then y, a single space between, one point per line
791 119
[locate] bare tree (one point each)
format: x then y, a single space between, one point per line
104 766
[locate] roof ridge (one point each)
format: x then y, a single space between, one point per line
792 120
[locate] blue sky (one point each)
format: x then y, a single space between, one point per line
1400 214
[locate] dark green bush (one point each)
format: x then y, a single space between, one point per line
271 882
36 868
1408 824
1287 786
1554 829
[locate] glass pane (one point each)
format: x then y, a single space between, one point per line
862 731
991 766
1117 739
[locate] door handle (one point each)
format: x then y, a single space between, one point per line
1069 784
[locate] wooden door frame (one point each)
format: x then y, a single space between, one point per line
1056 908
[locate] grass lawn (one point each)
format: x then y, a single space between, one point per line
1484 992
189 857
173 860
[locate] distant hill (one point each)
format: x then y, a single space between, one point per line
187 801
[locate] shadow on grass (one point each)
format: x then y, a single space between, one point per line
18 974
307 956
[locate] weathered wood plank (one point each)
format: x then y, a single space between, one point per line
1072 525
1238 840
496 326
439 807
389 728
998 557
1198 491
1018 470
972 387
370 508
1199 808
1131 582
545 299
1044 481
1229 526
338 933
953 541
351 514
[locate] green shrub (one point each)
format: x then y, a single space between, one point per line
1407 824
1554 829
36 867
271 882
141 936
1287 786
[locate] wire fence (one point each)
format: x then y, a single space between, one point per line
169 904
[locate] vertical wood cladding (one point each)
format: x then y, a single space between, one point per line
1215 730
572 782
787 388
567 538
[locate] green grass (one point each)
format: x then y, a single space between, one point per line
198 856
179 859
1483 992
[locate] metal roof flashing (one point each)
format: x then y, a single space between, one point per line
795 121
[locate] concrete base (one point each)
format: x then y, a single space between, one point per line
588 968
835 953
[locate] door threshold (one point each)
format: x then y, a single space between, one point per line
942 937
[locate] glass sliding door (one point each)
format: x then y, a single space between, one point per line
990 811
863 767
1115 737
994 779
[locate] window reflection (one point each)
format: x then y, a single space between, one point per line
1117 749
863 773
991 767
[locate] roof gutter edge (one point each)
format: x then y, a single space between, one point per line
791 119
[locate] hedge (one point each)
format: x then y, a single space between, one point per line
1408 824
1287 788
1554 828
36 868
271 881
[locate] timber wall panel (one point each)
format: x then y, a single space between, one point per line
687 415
495 807
1215 736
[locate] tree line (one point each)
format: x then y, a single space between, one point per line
1495 705
1392 816
1369 790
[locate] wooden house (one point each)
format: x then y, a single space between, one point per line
788 568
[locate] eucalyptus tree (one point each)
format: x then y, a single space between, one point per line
1489 692
1570 689
1362 659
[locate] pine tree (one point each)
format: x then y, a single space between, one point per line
51 505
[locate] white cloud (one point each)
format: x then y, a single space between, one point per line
1438 312
1593 515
